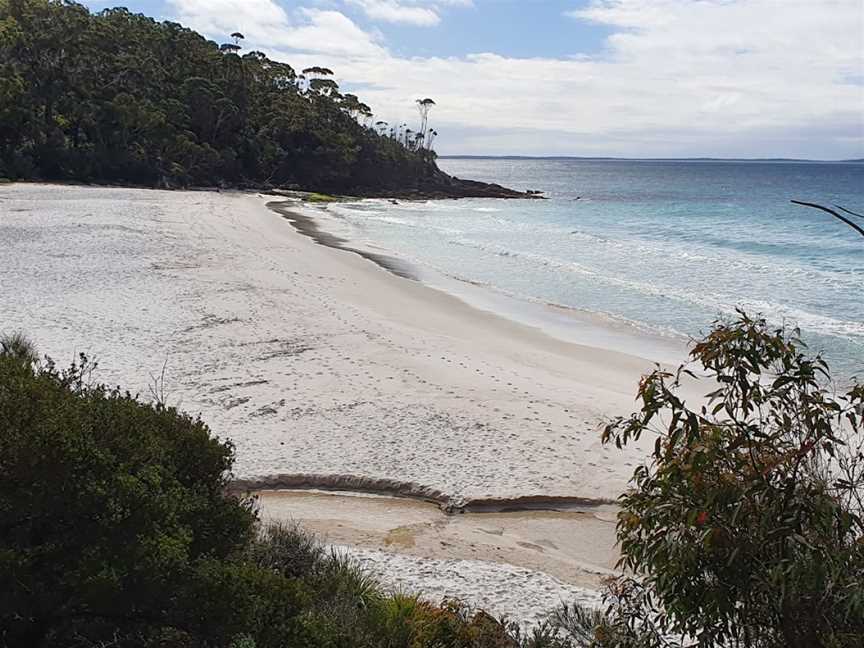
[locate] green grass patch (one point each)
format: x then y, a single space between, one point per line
321 198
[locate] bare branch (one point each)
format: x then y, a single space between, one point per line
849 211
833 213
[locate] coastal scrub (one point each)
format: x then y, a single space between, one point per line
116 528
746 526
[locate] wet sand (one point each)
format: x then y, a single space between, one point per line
576 546
307 226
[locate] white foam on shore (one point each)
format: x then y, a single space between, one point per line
580 326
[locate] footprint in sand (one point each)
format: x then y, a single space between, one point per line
530 545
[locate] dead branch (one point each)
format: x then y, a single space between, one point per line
833 213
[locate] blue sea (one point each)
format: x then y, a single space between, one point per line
664 247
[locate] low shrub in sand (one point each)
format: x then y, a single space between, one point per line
17 345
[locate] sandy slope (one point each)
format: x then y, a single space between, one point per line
312 360
317 361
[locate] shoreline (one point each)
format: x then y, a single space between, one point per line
440 186
307 226
568 324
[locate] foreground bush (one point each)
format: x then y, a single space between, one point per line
746 527
116 530
113 521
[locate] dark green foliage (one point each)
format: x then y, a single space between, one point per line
114 525
746 528
119 97
585 627
287 550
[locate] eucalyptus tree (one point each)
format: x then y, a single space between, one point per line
315 72
326 87
745 527
358 110
424 106
310 74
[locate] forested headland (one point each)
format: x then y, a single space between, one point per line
117 97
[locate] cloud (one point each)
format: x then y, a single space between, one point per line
414 12
677 77
214 17
394 12
331 32
266 24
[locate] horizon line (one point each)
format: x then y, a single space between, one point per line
646 159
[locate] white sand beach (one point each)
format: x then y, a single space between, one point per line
316 362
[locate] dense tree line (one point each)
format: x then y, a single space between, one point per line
119 97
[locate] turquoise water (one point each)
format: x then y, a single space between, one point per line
666 246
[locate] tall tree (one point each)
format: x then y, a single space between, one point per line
424 106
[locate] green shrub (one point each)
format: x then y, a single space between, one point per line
112 512
402 617
236 599
582 626
288 550
746 526
18 346
342 576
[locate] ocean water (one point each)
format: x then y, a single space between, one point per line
661 246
